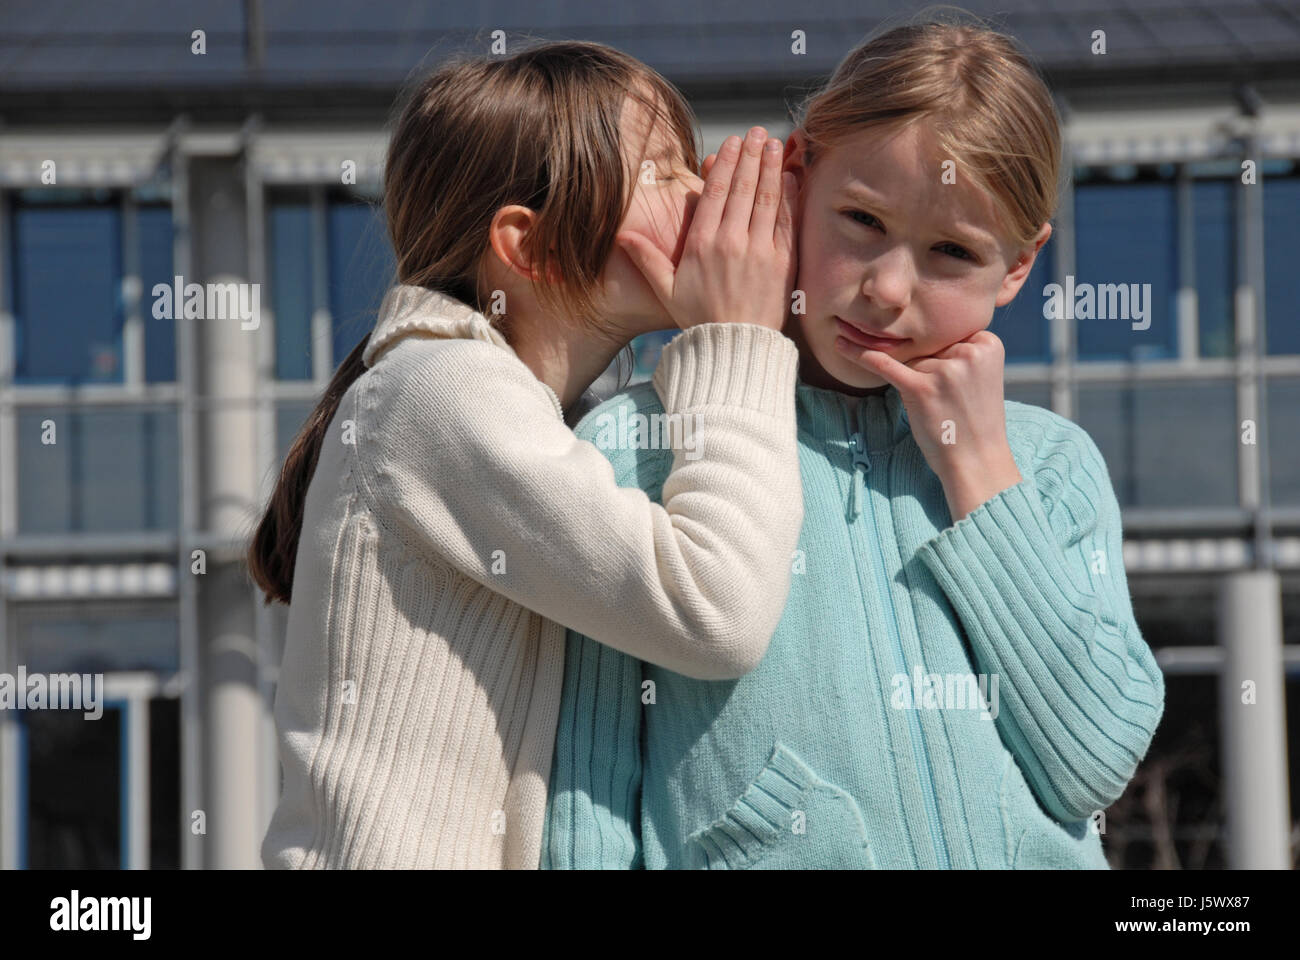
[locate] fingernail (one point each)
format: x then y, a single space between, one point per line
773 146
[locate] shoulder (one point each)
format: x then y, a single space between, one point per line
1064 461
452 388
625 430
1042 436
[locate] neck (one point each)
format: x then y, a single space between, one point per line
565 356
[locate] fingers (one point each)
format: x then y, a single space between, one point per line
767 198
717 184
882 364
650 260
740 201
708 164
783 237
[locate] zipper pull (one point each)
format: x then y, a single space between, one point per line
861 464
860 457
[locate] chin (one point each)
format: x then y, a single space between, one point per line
820 344
845 371
851 375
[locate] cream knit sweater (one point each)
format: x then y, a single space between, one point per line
454 527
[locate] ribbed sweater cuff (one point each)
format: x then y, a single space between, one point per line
761 815
736 364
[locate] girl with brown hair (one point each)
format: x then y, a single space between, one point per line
437 524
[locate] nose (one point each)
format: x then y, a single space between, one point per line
889 279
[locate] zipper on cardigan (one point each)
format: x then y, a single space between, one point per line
861 467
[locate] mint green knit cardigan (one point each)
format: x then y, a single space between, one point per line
852 744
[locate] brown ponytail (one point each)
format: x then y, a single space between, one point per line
274 549
539 128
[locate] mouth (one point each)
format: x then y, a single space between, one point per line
870 340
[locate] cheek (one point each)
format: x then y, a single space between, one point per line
954 311
659 215
823 266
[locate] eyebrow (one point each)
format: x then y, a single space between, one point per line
856 190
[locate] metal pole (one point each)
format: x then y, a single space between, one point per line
227 486
1252 699
187 588
1252 708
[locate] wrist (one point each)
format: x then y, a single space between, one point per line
969 483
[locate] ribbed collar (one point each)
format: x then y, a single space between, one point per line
831 415
408 310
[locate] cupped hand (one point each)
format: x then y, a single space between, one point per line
738 259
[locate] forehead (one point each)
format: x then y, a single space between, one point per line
645 127
907 166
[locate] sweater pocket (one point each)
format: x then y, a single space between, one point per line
788 818
1035 841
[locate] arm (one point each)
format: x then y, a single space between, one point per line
1042 593
462 454
593 813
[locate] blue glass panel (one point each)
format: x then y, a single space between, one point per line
1281 203
155 228
1214 212
79 641
1166 444
67 269
1282 398
361 267
289 242
78 483
1126 233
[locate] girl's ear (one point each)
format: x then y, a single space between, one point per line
506 235
1019 271
797 158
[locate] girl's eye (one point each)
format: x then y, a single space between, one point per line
870 221
961 253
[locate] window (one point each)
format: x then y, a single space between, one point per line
349 267
1282 405
108 469
361 267
154 224
1126 230
1281 202
68 263
1214 211
72 771
101 637
1166 444
289 246
67 273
